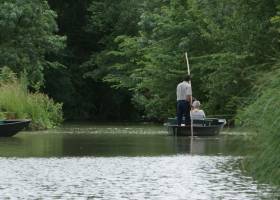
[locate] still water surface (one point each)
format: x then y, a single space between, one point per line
124 162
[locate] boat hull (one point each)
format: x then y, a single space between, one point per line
207 127
9 128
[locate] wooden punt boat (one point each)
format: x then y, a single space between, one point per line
205 127
9 128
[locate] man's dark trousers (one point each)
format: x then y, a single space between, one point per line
183 109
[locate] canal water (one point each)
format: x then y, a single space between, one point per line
84 161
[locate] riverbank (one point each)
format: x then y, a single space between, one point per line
17 102
262 116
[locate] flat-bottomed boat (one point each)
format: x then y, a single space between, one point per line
9 128
205 127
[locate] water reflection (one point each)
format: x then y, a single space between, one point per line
60 145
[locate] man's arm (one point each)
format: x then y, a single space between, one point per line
189 99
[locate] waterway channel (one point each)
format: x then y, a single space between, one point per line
113 161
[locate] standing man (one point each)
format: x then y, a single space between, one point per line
184 100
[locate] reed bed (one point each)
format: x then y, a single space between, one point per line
263 116
17 102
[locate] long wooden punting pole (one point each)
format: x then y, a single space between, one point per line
189 73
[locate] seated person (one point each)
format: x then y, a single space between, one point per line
196 113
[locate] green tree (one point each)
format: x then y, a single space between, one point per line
28 38
150 63
225 50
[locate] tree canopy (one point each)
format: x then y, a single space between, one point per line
28 37
122 60
228 42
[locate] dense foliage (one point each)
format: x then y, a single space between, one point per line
85 97
123 59
225 48
262 115
27 37
17 102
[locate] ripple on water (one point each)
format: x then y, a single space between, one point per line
174 177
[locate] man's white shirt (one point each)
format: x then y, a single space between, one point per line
183 90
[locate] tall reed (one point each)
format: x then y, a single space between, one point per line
263 116
17 102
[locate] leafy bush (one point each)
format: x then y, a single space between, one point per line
17 102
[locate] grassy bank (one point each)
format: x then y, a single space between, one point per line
263 117
17 102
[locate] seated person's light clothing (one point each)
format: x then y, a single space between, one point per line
197 114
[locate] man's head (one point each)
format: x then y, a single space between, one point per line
187 78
